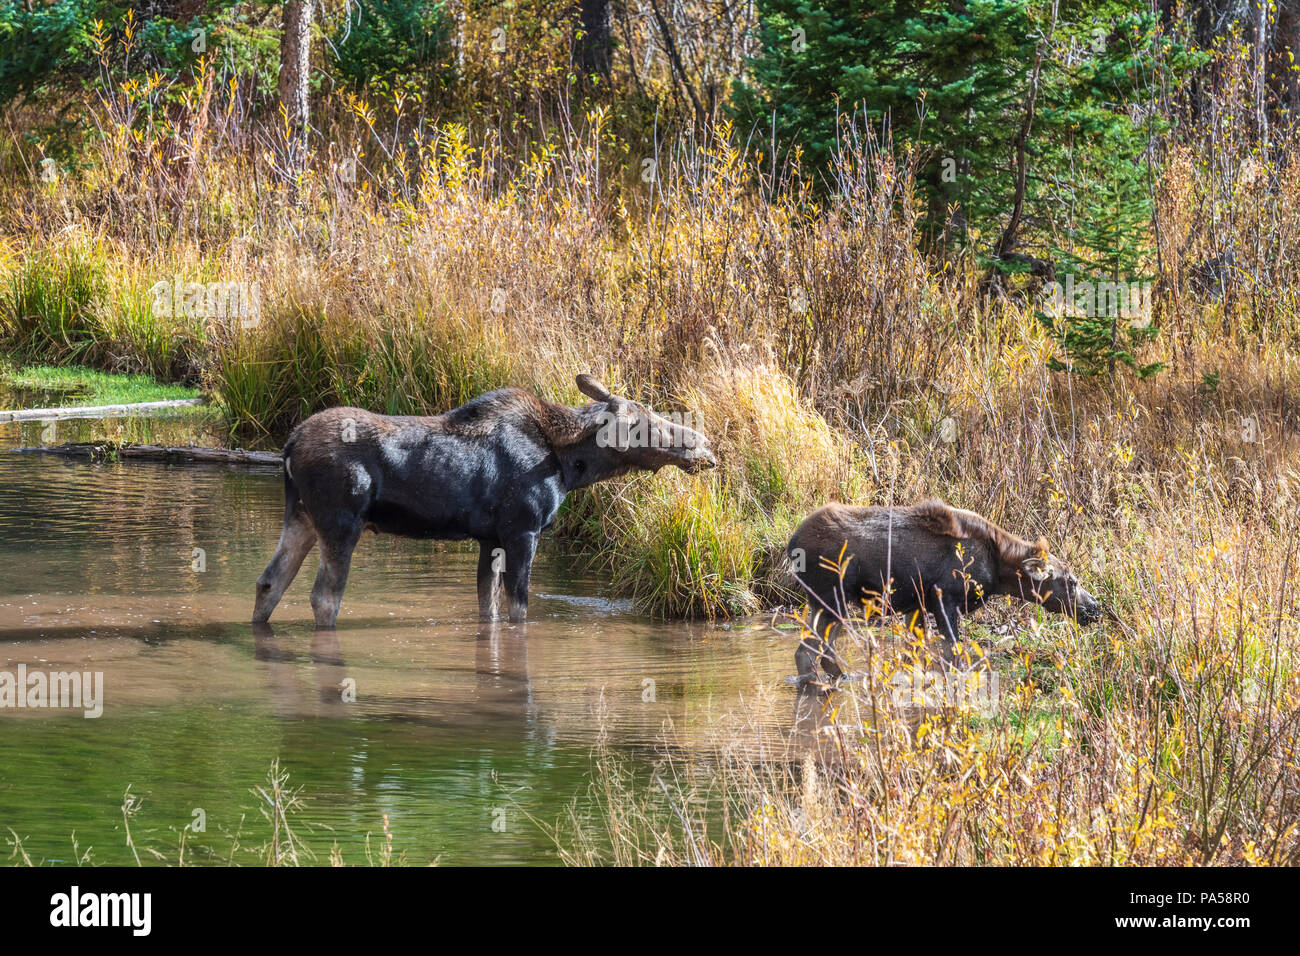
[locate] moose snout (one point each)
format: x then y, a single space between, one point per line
1087 609
702 458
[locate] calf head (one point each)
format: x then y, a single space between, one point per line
1048 581
631 436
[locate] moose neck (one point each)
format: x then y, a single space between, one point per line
586 462
1011 579
572 434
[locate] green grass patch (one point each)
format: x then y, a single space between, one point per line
77 385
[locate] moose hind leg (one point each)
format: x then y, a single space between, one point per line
335 560
296 538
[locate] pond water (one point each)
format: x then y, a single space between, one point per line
11 397
471 739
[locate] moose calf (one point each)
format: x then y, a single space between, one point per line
495 470
911 554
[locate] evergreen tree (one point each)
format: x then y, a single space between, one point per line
944 75
1098 128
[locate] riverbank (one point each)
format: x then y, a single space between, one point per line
1168 737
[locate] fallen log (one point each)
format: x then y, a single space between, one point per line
94 411
106 451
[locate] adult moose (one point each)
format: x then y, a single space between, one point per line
926 557
495 470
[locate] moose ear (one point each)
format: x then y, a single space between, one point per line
1037 568
589 386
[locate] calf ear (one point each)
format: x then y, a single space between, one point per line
589 386
1037 567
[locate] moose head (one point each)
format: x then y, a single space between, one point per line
629 436
1052 584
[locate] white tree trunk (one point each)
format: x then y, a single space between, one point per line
295 69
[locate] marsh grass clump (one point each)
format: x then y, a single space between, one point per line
50 304
694 558
76 301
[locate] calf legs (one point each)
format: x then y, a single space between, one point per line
818 645
296 539
830 661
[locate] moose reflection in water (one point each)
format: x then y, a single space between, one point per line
502 685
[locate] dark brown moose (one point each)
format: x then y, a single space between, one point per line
940 560
494 470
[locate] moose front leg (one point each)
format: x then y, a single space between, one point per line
829 626
818 644
805 656
948 617
491 558
830 661
518 568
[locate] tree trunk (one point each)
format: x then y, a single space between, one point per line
1288 42
594 49
1011 234
295 68
675 60
107 451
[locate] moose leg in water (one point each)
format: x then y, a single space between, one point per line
830 660
490 558
806 654
819 645
494 470
297 537
519 566
337 542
